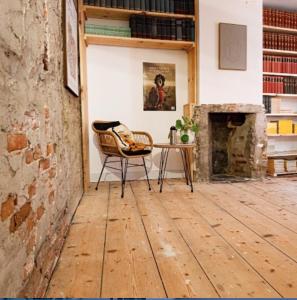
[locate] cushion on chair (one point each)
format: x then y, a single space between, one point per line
124 135
137 152
105 125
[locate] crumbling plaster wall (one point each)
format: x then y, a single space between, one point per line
40 145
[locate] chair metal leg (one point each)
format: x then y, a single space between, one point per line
147 178
106 158
124 164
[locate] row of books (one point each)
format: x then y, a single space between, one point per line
275 105
282 41
162 28
186 7
279 18
283 127
280 64
107 30
279 85
282 166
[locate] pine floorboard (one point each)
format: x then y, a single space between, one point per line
223 240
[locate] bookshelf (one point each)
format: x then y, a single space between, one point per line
282 148
121 15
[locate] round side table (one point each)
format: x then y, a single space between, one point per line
185 150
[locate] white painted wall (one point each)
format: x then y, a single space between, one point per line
221 86
115 87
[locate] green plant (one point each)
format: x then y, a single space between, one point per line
185 124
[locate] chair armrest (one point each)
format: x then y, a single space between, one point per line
143 137
108 142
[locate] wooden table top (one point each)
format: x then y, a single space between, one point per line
174 146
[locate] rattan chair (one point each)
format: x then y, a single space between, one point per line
110 147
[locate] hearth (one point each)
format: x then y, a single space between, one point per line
231 143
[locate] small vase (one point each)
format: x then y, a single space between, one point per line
184 137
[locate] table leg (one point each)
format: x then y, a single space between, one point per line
184 164
161 165
188 168
163 170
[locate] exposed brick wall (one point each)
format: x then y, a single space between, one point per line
40 146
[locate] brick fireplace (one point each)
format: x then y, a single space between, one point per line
231 142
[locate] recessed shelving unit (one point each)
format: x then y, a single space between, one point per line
107 14
282 142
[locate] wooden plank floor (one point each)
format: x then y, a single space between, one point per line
223 240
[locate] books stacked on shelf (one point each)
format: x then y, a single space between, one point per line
107 30
274 105
291 165
281 127
162 28
279 85
280 41
267 104
279 64
279 166
186 7
279 18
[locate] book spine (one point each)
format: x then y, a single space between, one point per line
158 6
172 29
179 30
166 5
154 28
103 3
142 5
114 3
171 6
120 4
126 4
137 4
162 5
153 5
108 3
147 5
132 4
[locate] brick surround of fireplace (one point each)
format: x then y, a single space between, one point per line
232 141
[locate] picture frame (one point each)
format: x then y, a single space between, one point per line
232 47
71 54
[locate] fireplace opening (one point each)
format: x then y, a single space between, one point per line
231 143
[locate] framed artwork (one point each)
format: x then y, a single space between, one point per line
71 47
159 87
233 47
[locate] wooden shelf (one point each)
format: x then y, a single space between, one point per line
284 173
282 135
91 39
124 14
283 155
280 95
280 74
282 115
279 29
280 52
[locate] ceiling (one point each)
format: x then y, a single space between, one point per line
286 4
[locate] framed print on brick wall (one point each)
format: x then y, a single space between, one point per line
71 46
233 47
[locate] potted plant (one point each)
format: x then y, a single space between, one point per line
184 125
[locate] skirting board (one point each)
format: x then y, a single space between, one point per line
108 176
